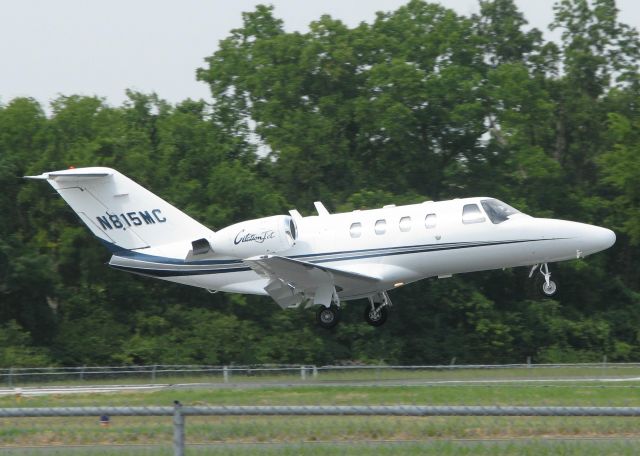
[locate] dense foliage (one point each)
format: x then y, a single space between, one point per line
422 103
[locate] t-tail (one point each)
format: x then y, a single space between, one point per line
121 213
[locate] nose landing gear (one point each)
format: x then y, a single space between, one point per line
549 287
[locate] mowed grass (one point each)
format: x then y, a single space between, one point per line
574 394
280 429
279 434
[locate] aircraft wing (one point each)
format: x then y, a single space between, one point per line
292 281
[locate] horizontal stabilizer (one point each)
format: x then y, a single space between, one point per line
71 175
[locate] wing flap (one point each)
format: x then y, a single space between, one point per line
289 278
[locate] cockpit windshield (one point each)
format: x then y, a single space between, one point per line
497 211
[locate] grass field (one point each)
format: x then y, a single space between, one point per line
602 394
317 435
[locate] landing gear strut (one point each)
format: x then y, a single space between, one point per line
377 311
549 287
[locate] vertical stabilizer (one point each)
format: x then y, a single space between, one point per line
120 212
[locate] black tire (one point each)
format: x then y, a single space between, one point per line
551 290
328 317
375 318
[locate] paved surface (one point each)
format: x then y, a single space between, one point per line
41 391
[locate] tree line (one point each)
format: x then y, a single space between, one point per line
420 104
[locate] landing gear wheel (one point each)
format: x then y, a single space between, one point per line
549 289
328 317
376 317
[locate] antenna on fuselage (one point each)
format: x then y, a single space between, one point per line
322 211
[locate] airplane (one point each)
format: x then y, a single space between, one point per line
321 260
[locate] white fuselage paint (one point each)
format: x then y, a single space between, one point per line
396 256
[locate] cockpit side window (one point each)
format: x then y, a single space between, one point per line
471 213
497 211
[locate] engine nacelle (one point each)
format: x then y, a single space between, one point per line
256 237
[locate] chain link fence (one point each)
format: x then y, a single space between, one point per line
348 426
524 408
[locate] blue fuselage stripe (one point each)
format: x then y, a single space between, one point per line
238 265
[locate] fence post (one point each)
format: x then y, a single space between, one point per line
225 374
303 372
153 373
529 361
315 371
178 429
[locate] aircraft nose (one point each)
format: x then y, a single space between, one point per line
597 238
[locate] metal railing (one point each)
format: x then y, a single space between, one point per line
13 377
179 412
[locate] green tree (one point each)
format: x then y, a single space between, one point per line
421 103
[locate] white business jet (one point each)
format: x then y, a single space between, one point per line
320 260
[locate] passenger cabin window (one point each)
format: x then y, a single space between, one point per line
405 224
381 226
471 214
430 221
355 230
497 211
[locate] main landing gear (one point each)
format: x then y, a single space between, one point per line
549 287
328 317
328 314
377 311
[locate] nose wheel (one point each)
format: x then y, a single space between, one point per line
549 287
